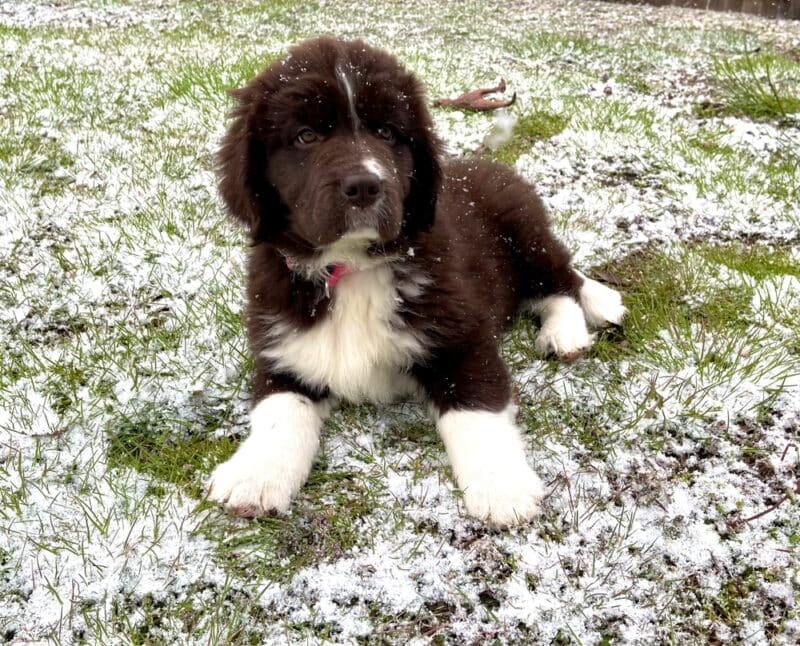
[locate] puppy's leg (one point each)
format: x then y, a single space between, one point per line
564 317
546 278
472 395
564 298
487 454
273 463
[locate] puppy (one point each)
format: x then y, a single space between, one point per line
379 269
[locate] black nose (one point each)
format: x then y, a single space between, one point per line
361 190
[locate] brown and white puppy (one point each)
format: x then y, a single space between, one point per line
377 269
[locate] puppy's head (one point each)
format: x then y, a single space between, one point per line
331 143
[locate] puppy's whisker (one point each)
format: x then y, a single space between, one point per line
382 213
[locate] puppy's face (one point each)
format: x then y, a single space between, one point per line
339 159
331 144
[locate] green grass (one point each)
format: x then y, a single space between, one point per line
758 261
760 86
326 518
723 168
325 524
689 308
676 312
42 159
149 445
656 287
530 128
616 116
204 81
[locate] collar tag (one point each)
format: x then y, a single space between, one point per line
332 273
335 273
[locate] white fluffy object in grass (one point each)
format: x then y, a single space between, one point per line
502 130
602 306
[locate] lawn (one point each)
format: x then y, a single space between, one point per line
666 144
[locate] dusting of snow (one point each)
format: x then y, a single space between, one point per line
120 313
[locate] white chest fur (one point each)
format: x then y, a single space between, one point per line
360 350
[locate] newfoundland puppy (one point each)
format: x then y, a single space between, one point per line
378 268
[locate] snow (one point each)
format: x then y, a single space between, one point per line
137 242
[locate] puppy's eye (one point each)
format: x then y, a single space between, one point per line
306 136
386 133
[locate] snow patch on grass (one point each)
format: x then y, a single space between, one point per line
125 370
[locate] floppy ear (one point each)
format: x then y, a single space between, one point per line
420 204
241 160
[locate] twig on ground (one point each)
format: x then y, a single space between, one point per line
476 99
735 523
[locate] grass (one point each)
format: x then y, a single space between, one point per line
727 172
147 443
529 129
758 86
691 337
42 159
759 261
125 371
201 81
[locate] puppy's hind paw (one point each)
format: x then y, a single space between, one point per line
567 342
602 306
564 332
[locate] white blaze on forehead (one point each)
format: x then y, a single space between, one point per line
373 166
351 99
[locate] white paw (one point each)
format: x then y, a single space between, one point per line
565 341
505 496
601 305
273 462
247 490
488 459
564 332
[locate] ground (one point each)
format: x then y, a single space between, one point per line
666 144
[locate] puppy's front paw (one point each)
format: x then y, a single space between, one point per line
273 463
249 487
505 497
488 459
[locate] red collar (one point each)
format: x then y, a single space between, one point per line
332 273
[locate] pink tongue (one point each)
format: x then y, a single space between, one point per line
336 275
